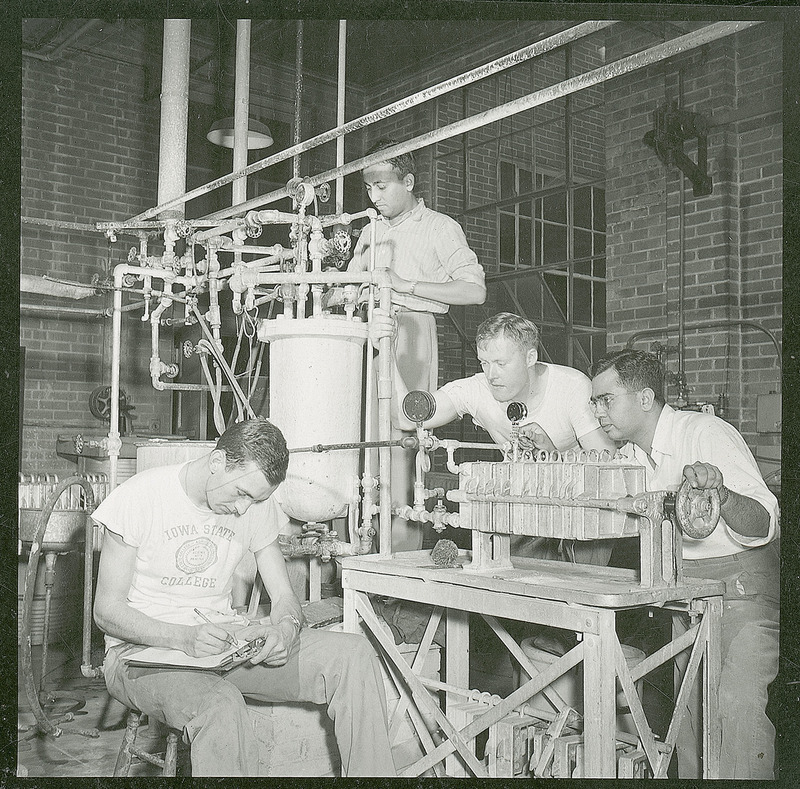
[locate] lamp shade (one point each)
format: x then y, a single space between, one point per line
258 134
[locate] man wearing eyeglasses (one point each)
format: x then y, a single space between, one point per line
628 399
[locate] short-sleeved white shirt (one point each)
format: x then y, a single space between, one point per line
185 554
425 246
564 413
685 437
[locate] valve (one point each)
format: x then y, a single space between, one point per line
515 412
254 231
183 228
323 192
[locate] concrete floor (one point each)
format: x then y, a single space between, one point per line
72 755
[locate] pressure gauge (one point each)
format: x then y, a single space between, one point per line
516 412
419 406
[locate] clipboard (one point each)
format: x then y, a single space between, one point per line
156 657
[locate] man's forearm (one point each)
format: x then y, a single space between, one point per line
745 516
122 621
288 606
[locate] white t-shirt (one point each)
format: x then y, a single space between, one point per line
564 413
685 437
185 554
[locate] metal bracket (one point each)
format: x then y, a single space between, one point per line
672 127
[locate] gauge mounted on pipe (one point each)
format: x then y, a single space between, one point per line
516 412
419 406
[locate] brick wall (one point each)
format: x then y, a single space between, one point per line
90 131
732 238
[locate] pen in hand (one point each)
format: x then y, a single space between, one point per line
228 638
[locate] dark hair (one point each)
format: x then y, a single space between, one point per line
257 441
522 331
404 164
636 370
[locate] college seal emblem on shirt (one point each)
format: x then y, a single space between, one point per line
195 556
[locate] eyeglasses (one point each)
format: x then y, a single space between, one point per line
605 400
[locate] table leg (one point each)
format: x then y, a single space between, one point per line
456 673
599 699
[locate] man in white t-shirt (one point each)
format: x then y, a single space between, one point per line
628 397
173 538
556 398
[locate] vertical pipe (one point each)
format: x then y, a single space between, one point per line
241 108
340 98
174 114
298 95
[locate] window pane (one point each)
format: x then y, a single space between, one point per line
508 239
525 241
555 308
599 304
599 208
507 186
554 243
555 208
582 301
599 268
525 182
582 244
554 344
584 267
582 207
525 208
599 243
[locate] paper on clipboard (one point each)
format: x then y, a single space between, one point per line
157 657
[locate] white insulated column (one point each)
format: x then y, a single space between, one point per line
241 109
174 114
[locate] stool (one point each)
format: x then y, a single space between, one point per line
128 751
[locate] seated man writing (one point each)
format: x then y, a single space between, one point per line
628 397
173 538
556 398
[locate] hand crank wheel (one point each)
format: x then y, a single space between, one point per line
697 510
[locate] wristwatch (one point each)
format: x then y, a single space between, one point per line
413 288
295 621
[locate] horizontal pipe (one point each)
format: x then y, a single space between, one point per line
50 309
540 47
49 287
618 68
407 442
82 226
710 325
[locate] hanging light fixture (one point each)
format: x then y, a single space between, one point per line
258 134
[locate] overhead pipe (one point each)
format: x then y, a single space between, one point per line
48 287
49 308
618 68
174 116
241 109
710 325
59 50
534 50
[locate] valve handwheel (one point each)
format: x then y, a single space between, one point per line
100 402
697 510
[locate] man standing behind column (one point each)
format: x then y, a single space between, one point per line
432 267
